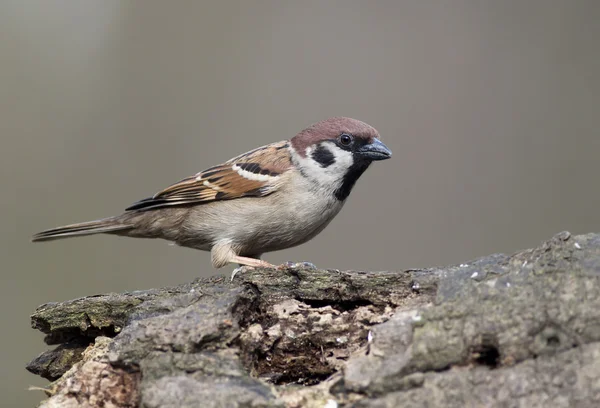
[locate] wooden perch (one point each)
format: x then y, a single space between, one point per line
499 330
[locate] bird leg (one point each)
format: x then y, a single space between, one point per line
246 263
255 263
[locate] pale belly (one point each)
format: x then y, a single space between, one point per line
259 225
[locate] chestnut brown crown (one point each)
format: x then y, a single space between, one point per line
332 129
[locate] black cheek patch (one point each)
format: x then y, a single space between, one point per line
323 156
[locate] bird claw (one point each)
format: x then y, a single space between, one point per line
298 265
242 268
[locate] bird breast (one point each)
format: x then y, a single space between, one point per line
288 217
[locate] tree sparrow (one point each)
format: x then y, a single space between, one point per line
270 198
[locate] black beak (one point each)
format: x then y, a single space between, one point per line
375 151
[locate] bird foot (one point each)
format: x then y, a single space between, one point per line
297 265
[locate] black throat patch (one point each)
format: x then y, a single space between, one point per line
354 172
323 156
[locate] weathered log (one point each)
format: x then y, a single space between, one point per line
500 330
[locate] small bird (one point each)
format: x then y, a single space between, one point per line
271 198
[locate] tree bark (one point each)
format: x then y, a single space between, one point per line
518 330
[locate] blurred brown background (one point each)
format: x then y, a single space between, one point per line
490 107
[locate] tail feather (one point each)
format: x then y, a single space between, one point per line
85 228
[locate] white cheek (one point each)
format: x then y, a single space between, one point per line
330 176
343 161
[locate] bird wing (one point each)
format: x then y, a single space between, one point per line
252 174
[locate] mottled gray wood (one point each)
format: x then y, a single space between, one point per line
519 330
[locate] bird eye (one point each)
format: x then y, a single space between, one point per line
346 139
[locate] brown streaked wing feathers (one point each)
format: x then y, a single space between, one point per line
222 182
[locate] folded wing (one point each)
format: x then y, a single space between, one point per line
252 174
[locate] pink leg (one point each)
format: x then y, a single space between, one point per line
246 262
255 263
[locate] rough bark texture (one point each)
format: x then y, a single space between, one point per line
520 330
